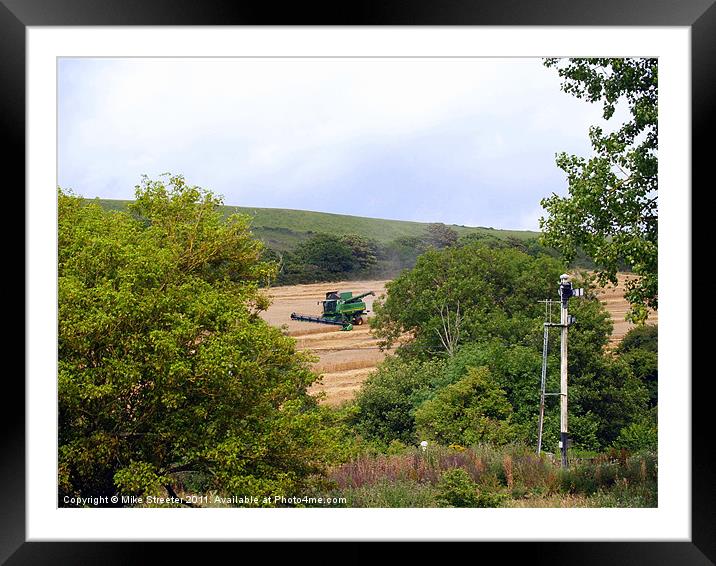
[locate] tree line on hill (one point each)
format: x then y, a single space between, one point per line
330 257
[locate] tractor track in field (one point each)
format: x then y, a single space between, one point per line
345 359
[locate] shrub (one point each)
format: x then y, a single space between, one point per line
645 366
641 435
642 337
386 400
473 410
456 489
327 253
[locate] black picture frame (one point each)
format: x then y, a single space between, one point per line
17 15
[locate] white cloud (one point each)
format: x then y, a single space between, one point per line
266 130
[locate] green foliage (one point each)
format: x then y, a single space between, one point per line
325 257
399 494
587 479
364 251
164 365
531 245
389 398
626 495
481 238
584 431
396 447
644 365
489 476
457 489
609 391
327 253
140 478
640 435
614 479
386 401
473 410
513 368
643 337
439 236
611 211
465 294
401 253
379 247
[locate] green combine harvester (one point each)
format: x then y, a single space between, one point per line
339 309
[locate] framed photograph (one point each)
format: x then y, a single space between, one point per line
379 94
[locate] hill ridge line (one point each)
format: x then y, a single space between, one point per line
303 221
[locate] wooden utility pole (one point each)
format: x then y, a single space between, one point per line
565 291
565 320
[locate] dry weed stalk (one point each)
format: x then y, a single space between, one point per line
507 467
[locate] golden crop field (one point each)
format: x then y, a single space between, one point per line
346 358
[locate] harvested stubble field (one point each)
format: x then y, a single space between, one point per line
613 299
346 358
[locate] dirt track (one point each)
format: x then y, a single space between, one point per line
346 358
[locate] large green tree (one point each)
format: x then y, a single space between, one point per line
499 328
387 399
440 236
165 367
611 209
639 348
327 253
471 411
364 251
465 294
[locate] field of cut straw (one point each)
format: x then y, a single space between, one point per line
346 358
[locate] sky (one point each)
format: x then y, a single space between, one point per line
460 141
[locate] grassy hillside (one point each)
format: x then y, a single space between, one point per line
282 229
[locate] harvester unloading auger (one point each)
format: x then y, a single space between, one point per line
339 309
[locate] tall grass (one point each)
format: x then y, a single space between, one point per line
484 464
514 473
385 494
